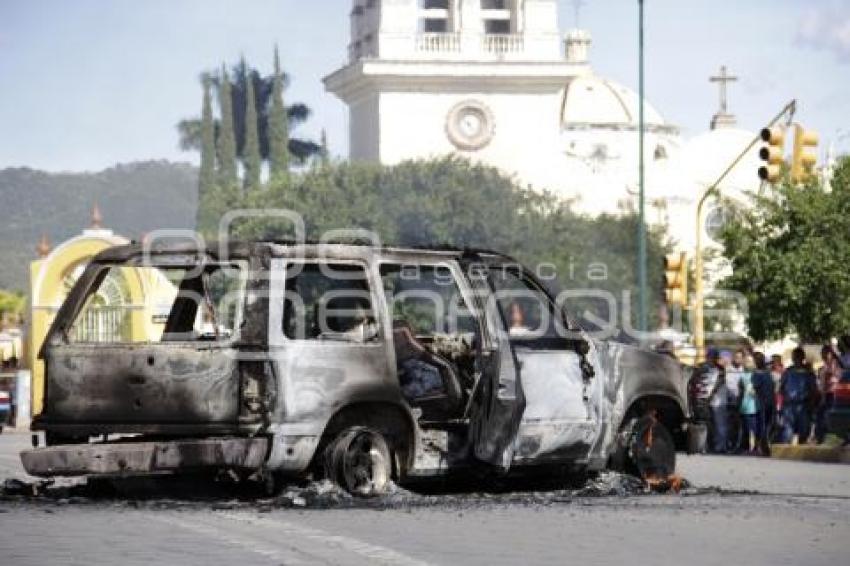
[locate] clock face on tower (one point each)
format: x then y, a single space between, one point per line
470 125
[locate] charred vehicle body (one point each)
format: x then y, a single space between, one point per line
362 363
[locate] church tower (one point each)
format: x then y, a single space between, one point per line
480 78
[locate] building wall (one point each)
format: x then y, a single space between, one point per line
414 125
365 124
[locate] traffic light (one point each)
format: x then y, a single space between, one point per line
773 153
676 279
804 157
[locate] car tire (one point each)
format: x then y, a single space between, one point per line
653 449
359 461
644 448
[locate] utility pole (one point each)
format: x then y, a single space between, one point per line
641 267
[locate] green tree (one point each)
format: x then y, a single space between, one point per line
226 140
206 175
453 202
325 152
11 305
278 126
790 258
251 152
300 149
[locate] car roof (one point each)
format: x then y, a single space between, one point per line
281 248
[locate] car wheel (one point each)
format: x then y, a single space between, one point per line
644 448
359 461
652 449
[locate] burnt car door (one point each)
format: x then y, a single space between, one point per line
142 346
559 369
498 401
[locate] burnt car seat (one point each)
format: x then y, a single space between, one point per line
437 405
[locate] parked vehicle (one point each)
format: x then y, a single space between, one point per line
354 362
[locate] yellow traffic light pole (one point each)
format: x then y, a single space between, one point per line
803 158
699 318
676 279
773 153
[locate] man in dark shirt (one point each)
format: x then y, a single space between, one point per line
766 398
709 399
798 390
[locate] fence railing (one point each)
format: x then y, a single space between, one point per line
503 43
438 42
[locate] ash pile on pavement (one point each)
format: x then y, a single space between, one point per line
180 492
325 494
611 484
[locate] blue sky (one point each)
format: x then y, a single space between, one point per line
85 84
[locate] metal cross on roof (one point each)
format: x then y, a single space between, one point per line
577 6
723 78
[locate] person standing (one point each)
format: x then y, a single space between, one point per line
748 408
718 401
777 368
734 373
828 377
766 401
844 346
797 391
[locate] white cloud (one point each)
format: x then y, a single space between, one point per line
827 26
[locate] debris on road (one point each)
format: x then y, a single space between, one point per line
171 492
14 487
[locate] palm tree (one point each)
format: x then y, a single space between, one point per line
298 113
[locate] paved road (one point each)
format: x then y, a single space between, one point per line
802 517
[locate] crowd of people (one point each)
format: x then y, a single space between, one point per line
747 401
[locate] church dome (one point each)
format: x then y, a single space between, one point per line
704 158
592 102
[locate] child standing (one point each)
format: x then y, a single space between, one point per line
748 407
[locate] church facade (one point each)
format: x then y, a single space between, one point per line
427 78
497 82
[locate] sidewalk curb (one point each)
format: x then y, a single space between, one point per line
804 453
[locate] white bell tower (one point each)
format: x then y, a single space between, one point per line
481 78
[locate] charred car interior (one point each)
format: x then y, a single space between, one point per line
356 363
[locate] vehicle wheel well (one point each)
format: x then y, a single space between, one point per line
391 420
667 411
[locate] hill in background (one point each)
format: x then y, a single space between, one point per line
133 198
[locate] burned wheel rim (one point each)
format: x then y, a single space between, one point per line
361 462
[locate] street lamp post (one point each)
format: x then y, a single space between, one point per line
699 323
641 267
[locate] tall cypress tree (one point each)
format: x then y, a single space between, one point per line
251 150
206 177
226 139
278 127
325 153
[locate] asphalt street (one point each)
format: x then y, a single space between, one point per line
740 511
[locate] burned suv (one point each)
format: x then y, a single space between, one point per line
358 363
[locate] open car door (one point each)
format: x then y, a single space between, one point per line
497 403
